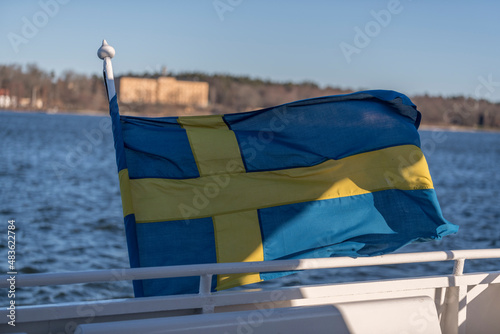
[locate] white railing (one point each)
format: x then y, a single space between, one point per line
206 271
451 293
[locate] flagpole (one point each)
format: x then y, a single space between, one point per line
106 52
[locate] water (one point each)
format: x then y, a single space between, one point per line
58 181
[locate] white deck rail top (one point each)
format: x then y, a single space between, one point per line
205 271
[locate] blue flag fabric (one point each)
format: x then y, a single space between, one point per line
331 176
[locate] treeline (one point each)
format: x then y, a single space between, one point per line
73 92
68 92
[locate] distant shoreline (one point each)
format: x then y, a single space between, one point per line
455 128
424 127
61 112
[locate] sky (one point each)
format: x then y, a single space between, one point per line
412 46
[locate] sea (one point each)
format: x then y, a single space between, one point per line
59 185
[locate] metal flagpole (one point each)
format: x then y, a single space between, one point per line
106 52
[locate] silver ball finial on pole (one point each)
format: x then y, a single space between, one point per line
106 52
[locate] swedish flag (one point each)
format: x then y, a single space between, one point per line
332 176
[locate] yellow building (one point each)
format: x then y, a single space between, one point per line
163 90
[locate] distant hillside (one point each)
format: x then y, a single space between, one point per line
227 93
243 93
458 111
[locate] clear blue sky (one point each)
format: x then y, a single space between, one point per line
438 47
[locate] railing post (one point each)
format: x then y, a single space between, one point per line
454 309
206 290
205 284
458 270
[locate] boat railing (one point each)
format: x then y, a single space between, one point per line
206 271
463 302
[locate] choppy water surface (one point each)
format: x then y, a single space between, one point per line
58 181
